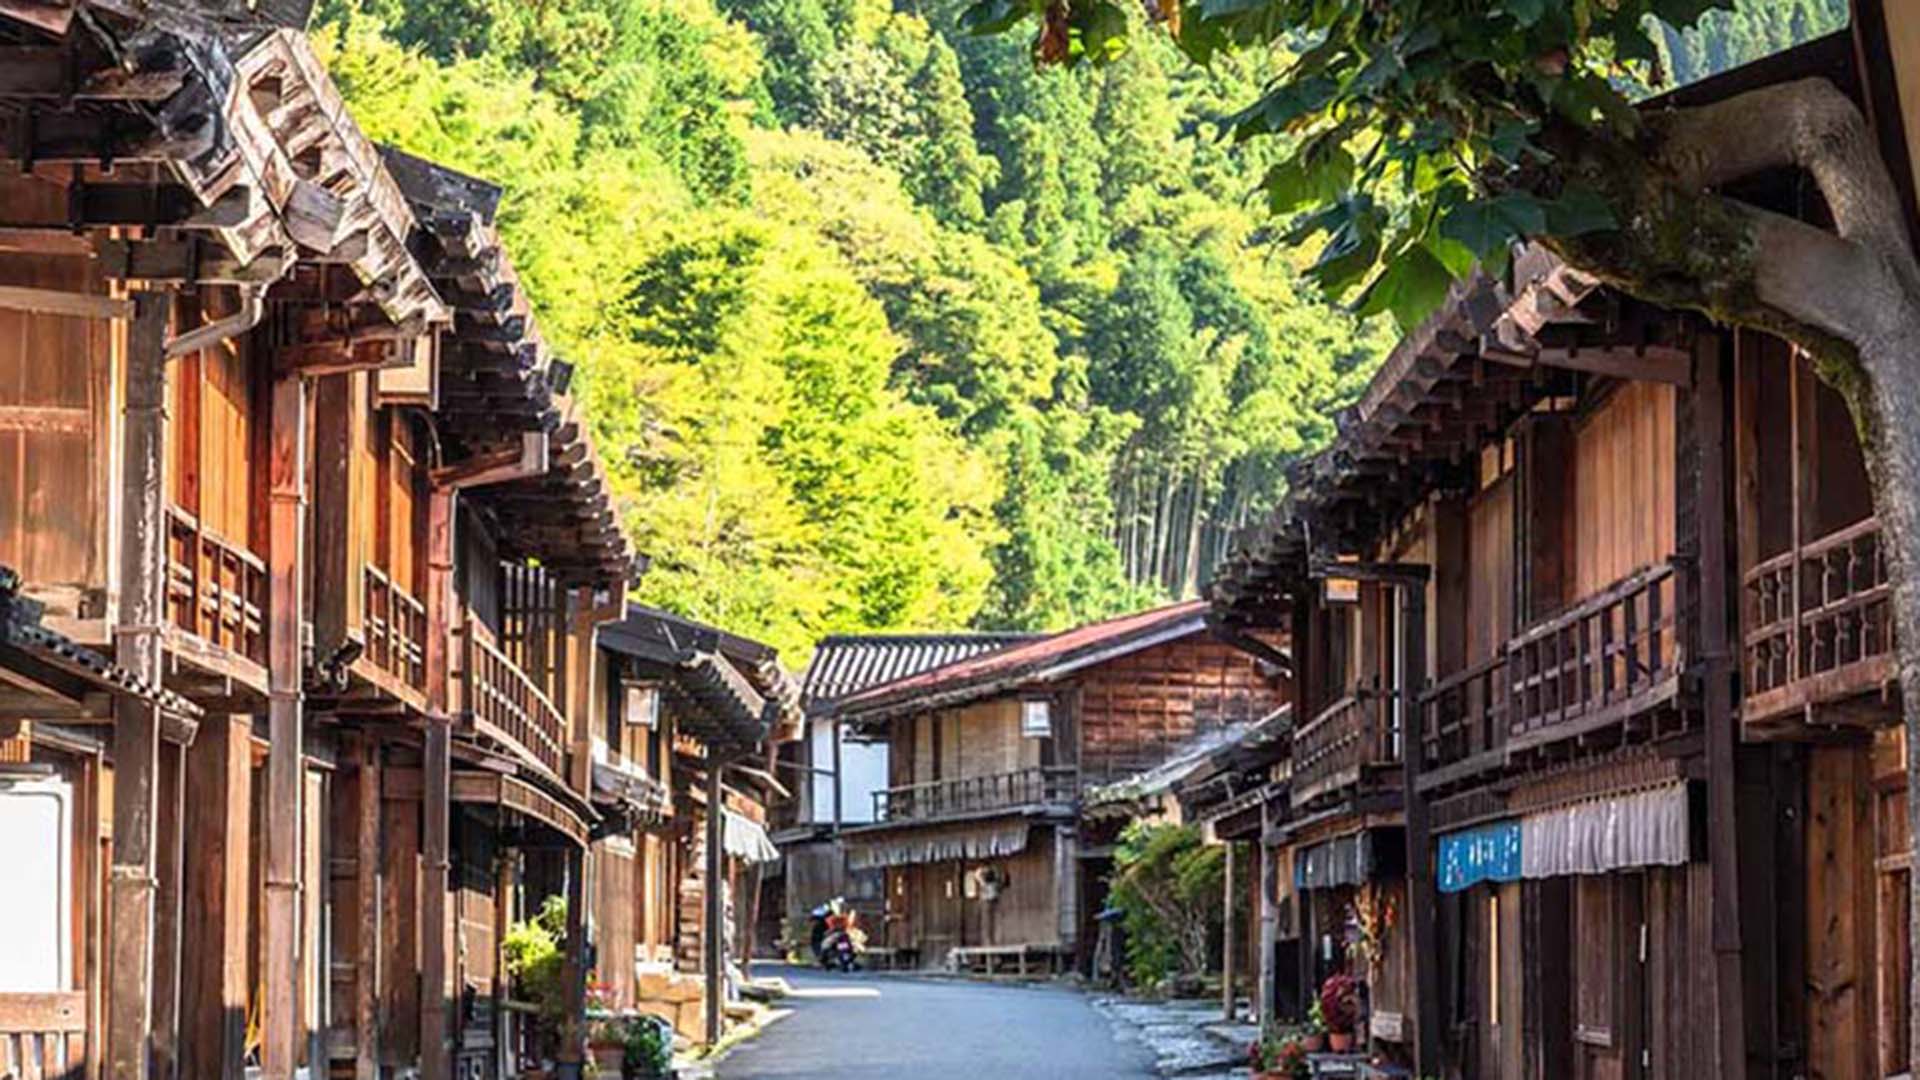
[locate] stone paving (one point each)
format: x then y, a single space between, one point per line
1187 1039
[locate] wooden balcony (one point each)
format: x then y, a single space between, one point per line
216 602
1337 748
395 626
1464 722
500 704
965 795
1614 655
1818 637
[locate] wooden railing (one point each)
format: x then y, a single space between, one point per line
216 589
1345 737
504 704
1465 714
1606 656
395 625
1820 613
44 1035
972 794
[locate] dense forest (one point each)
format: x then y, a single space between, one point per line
881 327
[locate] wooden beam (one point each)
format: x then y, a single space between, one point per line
1421 898
58 302
53 73
437 783
1649 363
187 258
286 771
136 732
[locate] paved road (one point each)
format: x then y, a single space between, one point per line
889 1027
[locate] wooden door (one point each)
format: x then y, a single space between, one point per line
1609 977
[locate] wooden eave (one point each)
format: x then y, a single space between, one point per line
1485 360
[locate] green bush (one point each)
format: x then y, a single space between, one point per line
536 959
1168 886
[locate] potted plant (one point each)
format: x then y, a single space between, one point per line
648 1049
1315 1039
1274 1058
1340 1010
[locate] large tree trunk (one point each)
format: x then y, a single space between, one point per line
1849 296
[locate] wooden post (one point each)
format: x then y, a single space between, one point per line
436 796
286 769
219 899
366 960
571 1058
1723 851
1269 924
167 914
136 728
1424 938
714 955
1227 965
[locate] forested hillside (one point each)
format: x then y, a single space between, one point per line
883 327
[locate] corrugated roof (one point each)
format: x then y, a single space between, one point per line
849 663
1042 658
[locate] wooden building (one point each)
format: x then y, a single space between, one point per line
316 546
702 713
979 833
1591 629
834 777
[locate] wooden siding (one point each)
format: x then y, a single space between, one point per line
1135 711
1490 584
56 422
1621 480
1840 935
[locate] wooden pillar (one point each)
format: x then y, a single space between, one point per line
504 866
136 728
1421 898
219 900
171 834
286 768
1269 925
570 1058
1723 847
713 956
1227 972
366 888
436 795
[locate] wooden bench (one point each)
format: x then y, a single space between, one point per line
43 1036
993 959
890 958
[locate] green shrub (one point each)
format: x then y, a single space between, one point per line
1168 886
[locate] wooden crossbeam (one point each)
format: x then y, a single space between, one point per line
57 73
189 258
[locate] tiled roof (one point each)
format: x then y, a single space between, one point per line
1039 659
849 663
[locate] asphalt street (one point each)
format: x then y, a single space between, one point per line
866 1027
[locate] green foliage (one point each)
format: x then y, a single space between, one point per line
880 327
1421 138
533 953
1169 888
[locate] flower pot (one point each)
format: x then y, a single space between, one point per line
1340 1042
1314 1042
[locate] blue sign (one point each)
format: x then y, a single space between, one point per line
1488 853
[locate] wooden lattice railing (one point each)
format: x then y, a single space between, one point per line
504 704
216 589
1608 655
1821 615
971 794
395 625
1465 714
44 1036
1352 733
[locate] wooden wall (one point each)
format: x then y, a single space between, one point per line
1620 510
217 413
56 419
1840 930
928 906
1135 711
617 909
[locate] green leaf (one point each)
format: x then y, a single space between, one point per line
1320 172
1513 139
1411 287
1578 211
1487 226
1525 12
1282 106
1452 254
993 16
1103 32
1352 249
1681 14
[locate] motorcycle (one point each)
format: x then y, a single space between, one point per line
839 941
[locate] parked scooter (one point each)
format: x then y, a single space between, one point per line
838 939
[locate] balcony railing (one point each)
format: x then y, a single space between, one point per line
1464 716
395 625
1333 749
216 589
1610 655
1819 623
503 704
975 794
